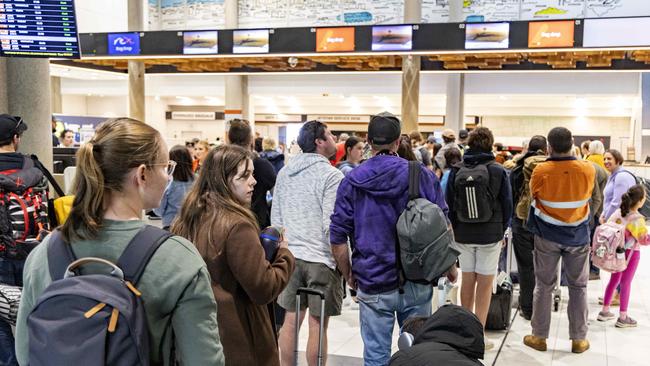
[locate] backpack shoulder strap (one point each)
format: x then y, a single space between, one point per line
47 175
59 255
139 251
414 180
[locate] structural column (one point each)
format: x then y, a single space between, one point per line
28 96
56 98
411 73
642 122
455 108
136 68
237 100
3 83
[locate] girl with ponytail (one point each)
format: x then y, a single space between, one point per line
122 171
636 234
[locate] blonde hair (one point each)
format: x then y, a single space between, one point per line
205 144
268 144
118 146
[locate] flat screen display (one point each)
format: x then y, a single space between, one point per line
250 41
335 39
550 34
392 38
200 43
487 35
40 28
124 44
623 32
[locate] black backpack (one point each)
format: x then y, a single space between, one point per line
93 319
474 195
645 209
24 200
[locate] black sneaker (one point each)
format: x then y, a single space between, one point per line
152 215
525 315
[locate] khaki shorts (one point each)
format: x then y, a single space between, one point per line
316 276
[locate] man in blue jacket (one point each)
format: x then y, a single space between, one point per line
368 203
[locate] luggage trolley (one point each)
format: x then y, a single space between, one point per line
557 291
309 291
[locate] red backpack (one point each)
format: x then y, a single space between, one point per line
23 210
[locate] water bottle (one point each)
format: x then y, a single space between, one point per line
270 239
620 253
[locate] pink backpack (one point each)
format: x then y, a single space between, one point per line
607 238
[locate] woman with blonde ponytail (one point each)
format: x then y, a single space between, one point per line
122 171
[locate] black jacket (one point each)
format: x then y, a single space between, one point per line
452 336
275 158
486 232
264 174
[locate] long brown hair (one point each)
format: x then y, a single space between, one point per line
118 146
210 204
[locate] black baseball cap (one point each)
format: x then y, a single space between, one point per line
10 126
384 128
463 134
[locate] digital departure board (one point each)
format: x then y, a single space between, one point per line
38 28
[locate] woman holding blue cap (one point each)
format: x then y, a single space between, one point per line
217 217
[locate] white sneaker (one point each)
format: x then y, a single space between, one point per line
488 344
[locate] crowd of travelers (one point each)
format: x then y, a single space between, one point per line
207 293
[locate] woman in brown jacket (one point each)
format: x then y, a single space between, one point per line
216 217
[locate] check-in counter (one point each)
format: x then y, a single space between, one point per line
641 170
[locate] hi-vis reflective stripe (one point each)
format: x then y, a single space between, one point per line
573 204
550 220
472 208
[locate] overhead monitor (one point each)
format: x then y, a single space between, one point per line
38 28
123 44
616 32
200 43
392 38
250 41
335 39
487 35
550 34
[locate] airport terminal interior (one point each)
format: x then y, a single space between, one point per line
188 68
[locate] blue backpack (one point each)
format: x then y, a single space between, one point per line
93 319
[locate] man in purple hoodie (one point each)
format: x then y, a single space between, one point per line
369 201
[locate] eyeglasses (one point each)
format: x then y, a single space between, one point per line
171 166
20 121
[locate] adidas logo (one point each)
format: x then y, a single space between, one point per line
470 179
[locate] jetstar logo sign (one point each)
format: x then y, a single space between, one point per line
124 44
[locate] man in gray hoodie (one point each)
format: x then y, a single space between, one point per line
304 197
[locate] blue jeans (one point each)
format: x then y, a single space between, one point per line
377 316
11 273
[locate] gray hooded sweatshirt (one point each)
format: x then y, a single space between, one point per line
303 200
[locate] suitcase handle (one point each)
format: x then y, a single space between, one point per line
310 291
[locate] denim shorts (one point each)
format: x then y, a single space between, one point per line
479 258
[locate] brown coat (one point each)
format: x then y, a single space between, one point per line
244 283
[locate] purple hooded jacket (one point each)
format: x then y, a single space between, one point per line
369 201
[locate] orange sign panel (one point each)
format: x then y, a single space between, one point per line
335 39
550 34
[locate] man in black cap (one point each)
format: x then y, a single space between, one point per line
463 136
11 269
369 202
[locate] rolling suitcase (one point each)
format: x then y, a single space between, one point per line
499 313
309 291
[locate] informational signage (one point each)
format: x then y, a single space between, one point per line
619 32
339 118
251 41
200 43
199 116
335 39
392 38
41 28
120 44
550 34
487 36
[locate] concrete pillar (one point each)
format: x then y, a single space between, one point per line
455 110
3 83
56 97
28 96
136 68
411 73
238 103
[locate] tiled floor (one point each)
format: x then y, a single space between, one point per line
609 346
